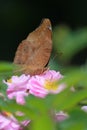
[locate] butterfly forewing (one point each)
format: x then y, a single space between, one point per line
34 52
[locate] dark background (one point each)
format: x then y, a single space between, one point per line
19 17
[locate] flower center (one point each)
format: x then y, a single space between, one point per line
51 85
9 80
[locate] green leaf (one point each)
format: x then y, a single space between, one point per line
71 100
6 66
77 120
43 122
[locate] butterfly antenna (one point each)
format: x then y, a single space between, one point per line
54 57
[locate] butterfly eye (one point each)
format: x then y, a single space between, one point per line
50 28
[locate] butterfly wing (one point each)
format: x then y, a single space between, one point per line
34 52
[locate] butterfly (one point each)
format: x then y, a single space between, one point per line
34 52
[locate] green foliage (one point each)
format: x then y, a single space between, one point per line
69 42
39 110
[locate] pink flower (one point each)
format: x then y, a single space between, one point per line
9 122
84 108
17 88
37 85
45 83
60 116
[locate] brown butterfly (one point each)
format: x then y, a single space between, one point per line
34 52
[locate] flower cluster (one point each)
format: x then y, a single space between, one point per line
9 122
18 87
38 85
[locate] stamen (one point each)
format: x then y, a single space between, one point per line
51 85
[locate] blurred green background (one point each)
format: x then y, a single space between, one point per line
20 17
